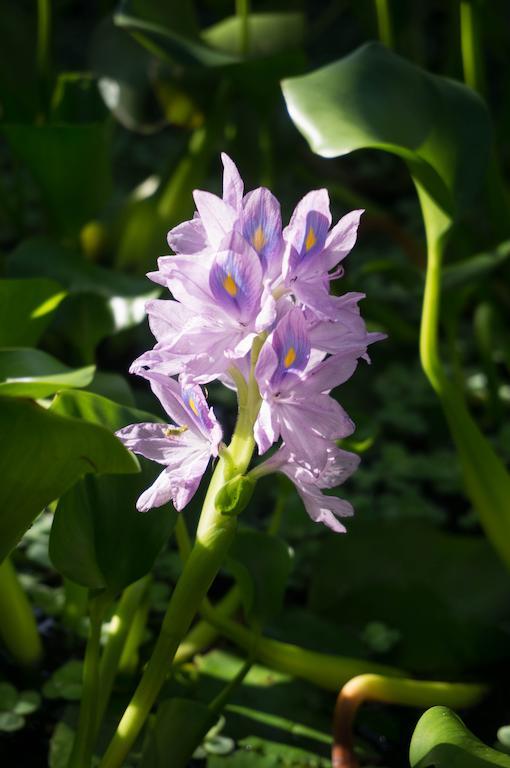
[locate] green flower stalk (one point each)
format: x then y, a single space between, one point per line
215 533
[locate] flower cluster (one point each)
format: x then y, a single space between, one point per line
252 307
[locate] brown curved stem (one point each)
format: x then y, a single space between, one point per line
393 690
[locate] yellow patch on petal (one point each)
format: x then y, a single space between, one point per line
230 285
193 406
310 239
258 240
289 357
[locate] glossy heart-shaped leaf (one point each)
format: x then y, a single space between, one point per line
26 372
268 34
165 41
373 98
26 308
441 740
42 454
98 538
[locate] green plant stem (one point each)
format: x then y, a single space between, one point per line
130 658
486 478
384 25
472 61
120 625
18 628
474 76
406 692
430 316
327 671
243 13
203 634
215 533
83 747
43 50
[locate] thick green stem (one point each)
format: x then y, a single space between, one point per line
43 50
243 13
406 692
203 634
327 671
18 628
130 658
384 25
430 315
472 61
474 75
83 747
120 626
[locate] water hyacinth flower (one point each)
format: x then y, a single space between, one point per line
250 305
184 447
321 508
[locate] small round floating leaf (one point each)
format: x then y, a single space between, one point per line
11 721
28 702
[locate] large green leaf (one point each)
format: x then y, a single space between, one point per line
26 308
268 34
98 410
41 456
441 740
70 164
124 295
373 98
98 538
32 373
165 41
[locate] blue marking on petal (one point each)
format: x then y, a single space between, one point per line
291 344
314 234
197 404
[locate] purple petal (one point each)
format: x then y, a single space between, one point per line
167 318
186 277
324 509
305 422
202 415
262 227
291 344
308 227
341 239
188 237
232 183
148 439
236 279
266 366
217 217
265 431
